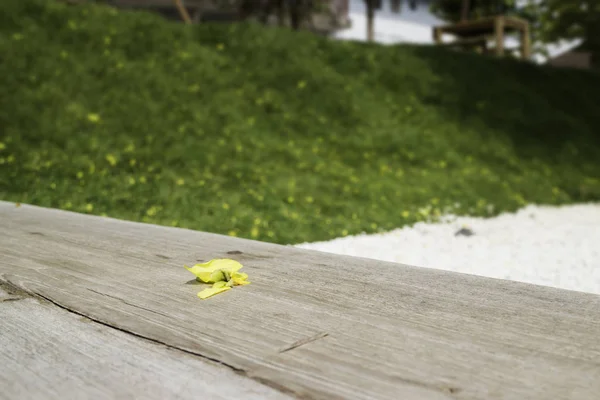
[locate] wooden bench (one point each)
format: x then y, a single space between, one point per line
477 33
476 42
92 307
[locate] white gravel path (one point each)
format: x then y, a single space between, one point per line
551 246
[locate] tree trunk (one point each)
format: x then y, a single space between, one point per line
281 12
182 11
370 20
295 14
464 12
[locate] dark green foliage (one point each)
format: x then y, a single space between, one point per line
276 135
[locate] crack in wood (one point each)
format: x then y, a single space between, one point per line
304 341
128 303
11 298
240 371
13 292
443 389
236 369
310 339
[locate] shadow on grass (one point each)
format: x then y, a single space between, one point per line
509 103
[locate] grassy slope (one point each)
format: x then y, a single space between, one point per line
273 135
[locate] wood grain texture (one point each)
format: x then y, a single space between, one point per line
48 353
381 330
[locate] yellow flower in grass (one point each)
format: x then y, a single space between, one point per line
93 117
222 273
112 160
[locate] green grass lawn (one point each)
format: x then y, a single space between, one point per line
274 135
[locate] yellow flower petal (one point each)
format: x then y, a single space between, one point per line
212 271
222 273
239 278
239 275
206 293
216 276
241 282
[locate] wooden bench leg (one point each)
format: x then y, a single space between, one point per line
525 43
437 35
499 34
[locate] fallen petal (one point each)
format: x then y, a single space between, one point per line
212 271
206 293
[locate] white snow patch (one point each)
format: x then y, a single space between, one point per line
544 245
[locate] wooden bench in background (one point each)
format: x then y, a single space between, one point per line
92 307
477 33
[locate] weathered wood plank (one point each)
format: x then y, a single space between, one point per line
383 330
48 353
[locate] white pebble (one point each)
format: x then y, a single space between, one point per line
544 245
